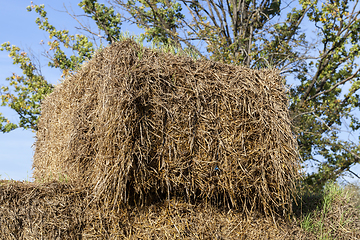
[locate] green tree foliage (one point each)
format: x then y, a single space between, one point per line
105 17
321 101
24 93
29 89
322 74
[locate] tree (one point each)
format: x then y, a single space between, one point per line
321 102
257 34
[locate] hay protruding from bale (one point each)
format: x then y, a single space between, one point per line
139 125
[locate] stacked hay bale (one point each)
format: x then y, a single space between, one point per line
57 210
138 125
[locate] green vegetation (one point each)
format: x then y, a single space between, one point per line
330 213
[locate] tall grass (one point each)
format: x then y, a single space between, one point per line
332 213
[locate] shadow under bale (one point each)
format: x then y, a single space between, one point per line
139 125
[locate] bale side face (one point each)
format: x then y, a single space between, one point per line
138 125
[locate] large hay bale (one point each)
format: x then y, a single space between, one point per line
139 125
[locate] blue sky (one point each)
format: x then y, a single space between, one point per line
15 147
18 27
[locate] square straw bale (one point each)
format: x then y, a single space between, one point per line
140 125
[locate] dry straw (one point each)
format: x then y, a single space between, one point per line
60 210
56 210
139 126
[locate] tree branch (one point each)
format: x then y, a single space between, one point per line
335 86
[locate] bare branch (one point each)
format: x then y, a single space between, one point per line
354 174
335 86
